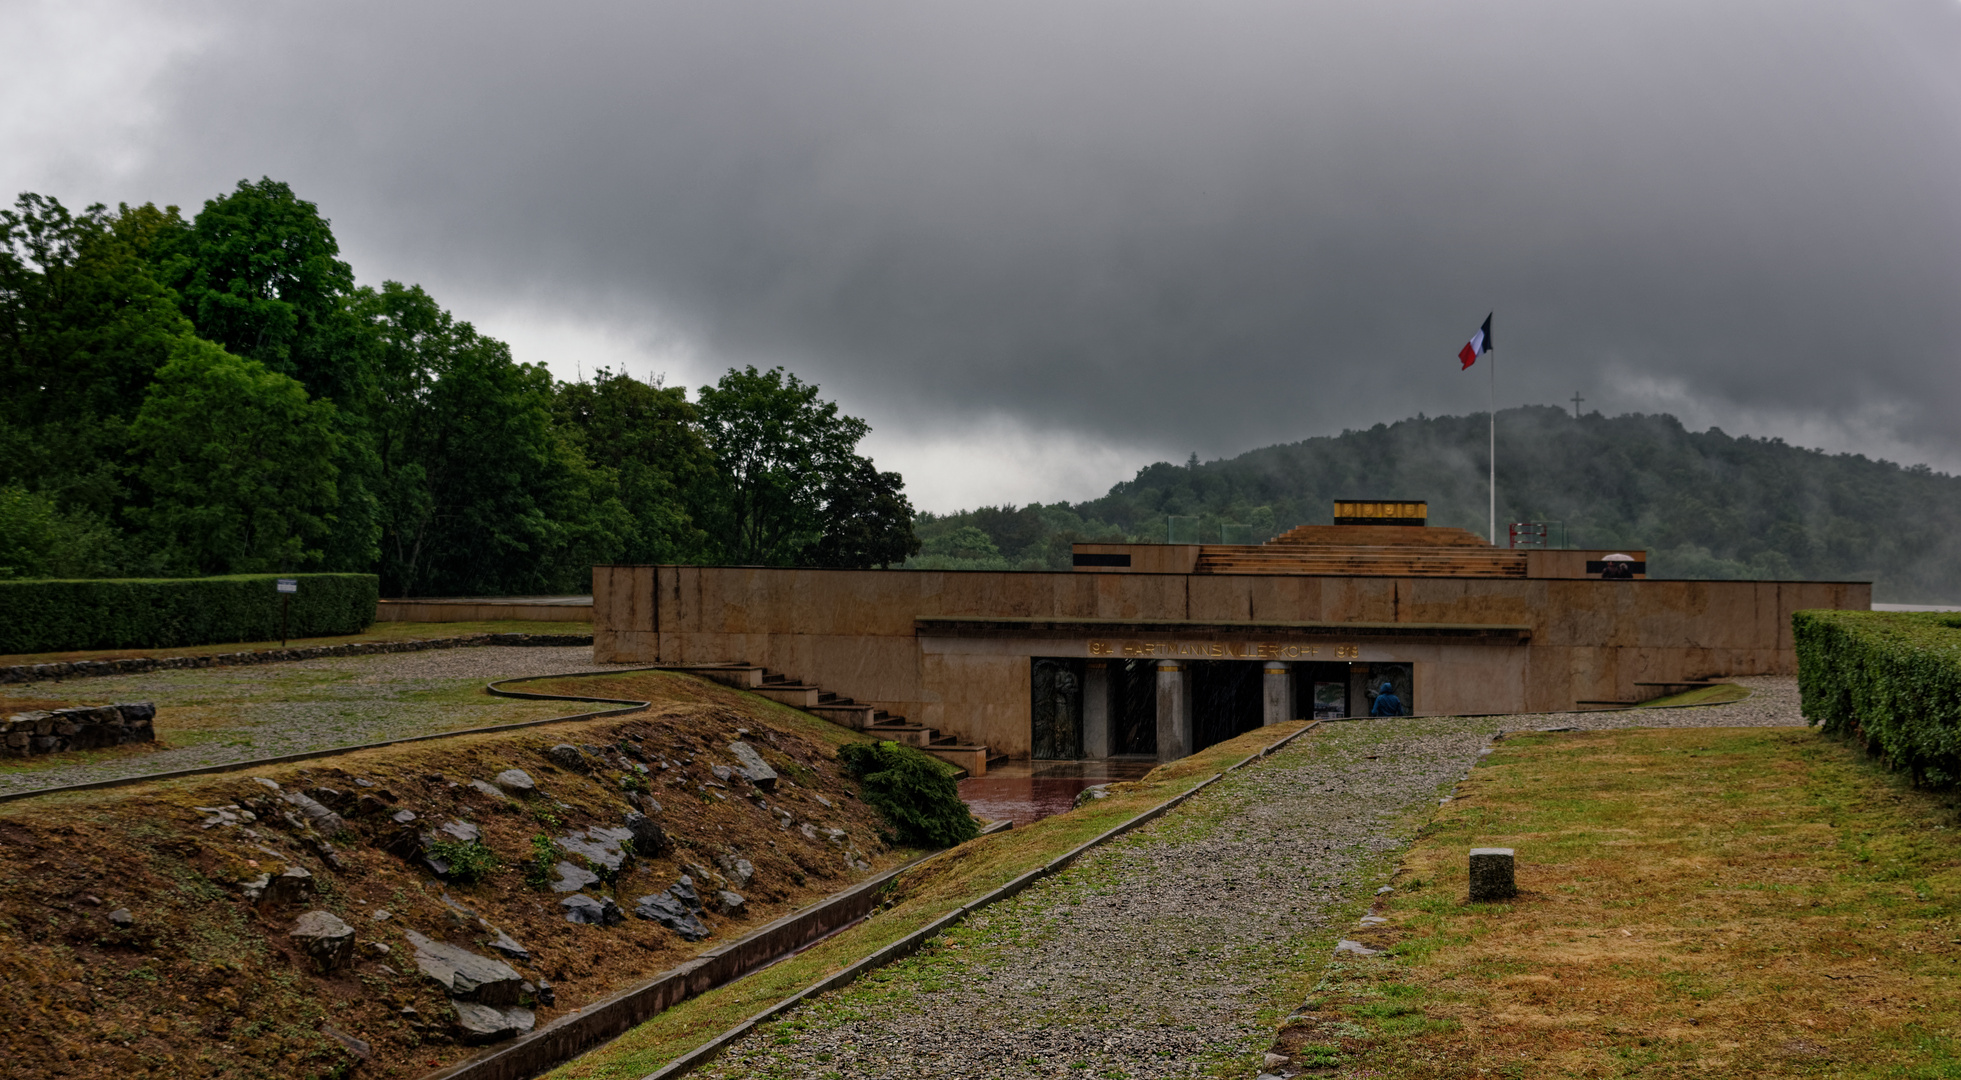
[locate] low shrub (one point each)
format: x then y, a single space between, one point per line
541 869
914 791
156 613
469 861
1891 679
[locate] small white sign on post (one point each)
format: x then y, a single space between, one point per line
289 585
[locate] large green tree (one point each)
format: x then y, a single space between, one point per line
481 492
777 446
238 463
84 327
259 272
650 436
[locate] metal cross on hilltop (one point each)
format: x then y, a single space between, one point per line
1576 404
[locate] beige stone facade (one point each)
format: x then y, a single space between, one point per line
956 651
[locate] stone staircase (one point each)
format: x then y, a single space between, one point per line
842 710
1366 551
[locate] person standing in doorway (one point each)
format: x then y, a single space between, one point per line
1386 702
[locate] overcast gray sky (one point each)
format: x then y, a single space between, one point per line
1038 245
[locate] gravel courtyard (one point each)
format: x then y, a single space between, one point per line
1173 951
212 716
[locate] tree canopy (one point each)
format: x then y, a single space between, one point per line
219 395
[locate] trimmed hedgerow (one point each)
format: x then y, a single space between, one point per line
915 792
155 613
1891 679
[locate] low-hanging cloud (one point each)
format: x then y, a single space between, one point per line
1150 226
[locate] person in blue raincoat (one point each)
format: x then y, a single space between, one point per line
1386 702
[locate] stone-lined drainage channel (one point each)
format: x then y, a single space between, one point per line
1170 952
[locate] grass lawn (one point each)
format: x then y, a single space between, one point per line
381 631
1719 901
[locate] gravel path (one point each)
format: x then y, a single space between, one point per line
1171 952
215 716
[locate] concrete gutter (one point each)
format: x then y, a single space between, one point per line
584 1028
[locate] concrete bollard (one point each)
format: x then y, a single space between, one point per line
1491 874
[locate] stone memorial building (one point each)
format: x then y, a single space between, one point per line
1158 650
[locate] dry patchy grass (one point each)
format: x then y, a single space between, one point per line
1720 902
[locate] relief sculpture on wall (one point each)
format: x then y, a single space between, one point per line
1056 708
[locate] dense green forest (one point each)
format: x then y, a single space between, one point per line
217 395
1704 504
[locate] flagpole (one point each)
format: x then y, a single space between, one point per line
1494 450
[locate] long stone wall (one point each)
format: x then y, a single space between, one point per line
79 728
859 633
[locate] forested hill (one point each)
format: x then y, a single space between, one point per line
1704 504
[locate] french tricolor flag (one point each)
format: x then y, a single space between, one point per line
1479 344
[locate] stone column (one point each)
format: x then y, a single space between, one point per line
1096 709
1279 694
1174 712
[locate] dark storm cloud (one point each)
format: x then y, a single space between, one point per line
1183 225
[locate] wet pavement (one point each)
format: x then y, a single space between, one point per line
1026 791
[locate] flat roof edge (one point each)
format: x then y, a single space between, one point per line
990 625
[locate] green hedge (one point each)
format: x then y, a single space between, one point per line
1889 678
154 613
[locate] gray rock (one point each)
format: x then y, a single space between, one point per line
1091 794
505 944
490 789
477 1023
739 869
255 888
516 780
463 974
323 820
580 908
461 831
403 817
1492 874
601 849
293 885
358 1047
573 878
684 891
649 839
723 773
754 768
567 757
670 912
731 903
122 917
1354 948
324 937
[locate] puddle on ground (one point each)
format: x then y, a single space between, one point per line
1025 791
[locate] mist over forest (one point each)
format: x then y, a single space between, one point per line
1703 504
